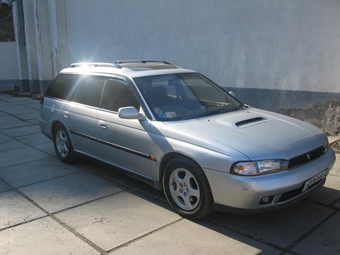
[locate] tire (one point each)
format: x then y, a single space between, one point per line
187 189
63 145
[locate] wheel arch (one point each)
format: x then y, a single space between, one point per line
54 124
168 157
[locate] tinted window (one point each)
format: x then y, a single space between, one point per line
117 94
62 86
184 96
88 91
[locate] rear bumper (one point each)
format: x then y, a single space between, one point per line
244 193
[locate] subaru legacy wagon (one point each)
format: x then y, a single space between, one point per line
180 132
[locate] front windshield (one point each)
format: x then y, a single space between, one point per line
184 96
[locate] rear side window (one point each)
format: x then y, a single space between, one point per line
89 90
63 86
83 89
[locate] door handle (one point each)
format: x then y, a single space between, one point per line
66 115
102 124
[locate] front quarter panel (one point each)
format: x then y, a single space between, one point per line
208 159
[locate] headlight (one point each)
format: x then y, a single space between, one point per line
259 167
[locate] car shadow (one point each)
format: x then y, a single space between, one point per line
280 230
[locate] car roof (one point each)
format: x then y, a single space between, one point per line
130 68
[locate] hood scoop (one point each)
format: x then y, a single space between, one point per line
249 122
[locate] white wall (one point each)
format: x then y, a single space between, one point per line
266 44
8 61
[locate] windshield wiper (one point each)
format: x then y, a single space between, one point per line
240 106
219 111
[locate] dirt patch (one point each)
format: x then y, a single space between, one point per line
326 116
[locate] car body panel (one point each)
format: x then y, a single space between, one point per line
125 143
80 121
266 139
144 146
247 191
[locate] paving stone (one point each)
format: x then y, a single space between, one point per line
47 147
3 186
71 190
18 109
324 240
34 104
43 236
11 144
4 138
337 204
15 209
37 171
7 122
22 131
29 116
19 156
117 219
281 227
187 237
34 139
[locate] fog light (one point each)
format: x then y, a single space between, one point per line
266 200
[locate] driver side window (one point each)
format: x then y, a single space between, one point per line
117 94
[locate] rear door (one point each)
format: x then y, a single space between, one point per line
80 114
125 143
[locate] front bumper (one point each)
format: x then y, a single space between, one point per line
237 193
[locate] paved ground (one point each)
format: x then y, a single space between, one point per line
47 207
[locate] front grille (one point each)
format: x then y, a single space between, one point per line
293 193
306 157
288 195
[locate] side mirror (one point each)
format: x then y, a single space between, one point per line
232 93
130 113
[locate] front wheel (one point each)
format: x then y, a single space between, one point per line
187 189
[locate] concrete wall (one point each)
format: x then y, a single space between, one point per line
8 66
8 61
274 54
268 47
42 50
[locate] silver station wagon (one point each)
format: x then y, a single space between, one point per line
180 132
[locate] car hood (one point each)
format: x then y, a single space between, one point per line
255 133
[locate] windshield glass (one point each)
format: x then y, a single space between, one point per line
184 96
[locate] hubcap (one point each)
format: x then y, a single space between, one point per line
62 143
184 189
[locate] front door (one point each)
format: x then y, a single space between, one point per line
124 143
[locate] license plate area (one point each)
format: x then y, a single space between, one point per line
314 180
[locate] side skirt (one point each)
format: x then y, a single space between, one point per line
152 182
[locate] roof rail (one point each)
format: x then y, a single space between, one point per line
141 61
94 64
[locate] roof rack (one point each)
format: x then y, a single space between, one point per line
142 61
94 64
